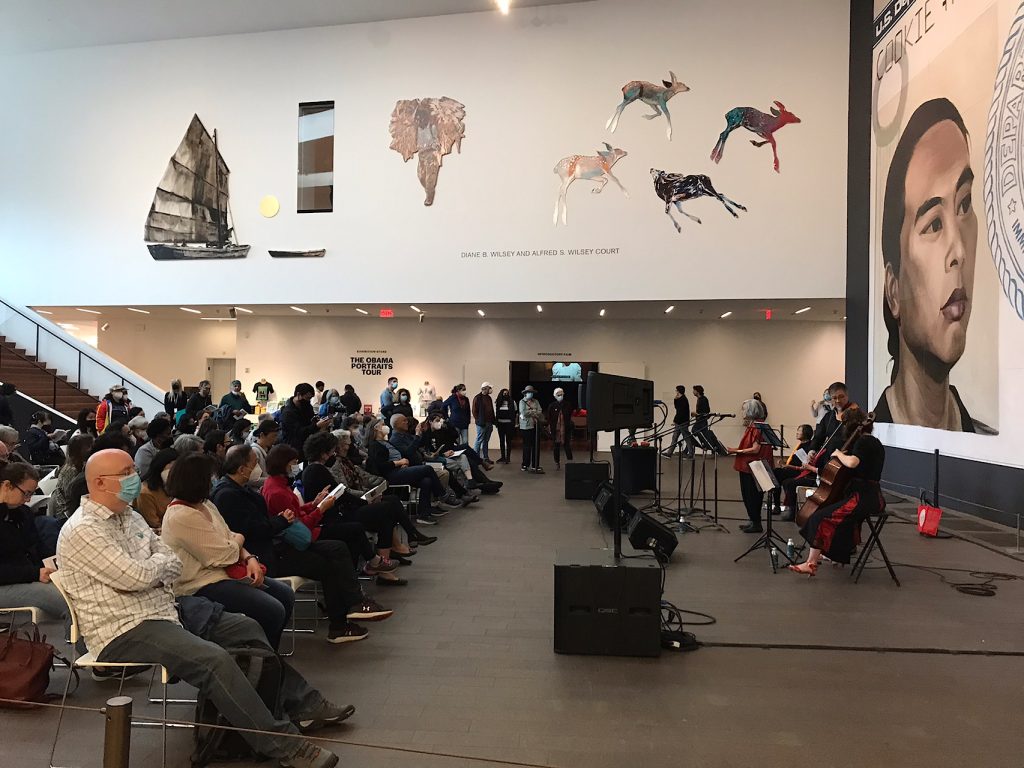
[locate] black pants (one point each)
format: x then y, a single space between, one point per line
784 475
752 497
421 477
375 518
568 452
530 458
505 433
351 533
330 563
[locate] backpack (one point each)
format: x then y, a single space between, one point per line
216 744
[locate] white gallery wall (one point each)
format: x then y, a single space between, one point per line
87 135
788 362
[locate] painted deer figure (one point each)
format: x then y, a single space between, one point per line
655 96
590 167
675 189
756 121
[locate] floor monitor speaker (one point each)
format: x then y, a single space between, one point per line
645 532
582 480
607 608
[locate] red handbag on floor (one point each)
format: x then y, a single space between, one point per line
928 518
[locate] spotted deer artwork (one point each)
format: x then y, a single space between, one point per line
597 168
760 123
675 189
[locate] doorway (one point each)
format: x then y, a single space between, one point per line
221 372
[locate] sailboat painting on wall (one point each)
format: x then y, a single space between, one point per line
189 218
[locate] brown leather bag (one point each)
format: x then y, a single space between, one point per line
25 663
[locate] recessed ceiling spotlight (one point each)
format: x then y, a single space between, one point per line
503 6
601 313
243 309
801 311
43 312
726 314
540 308
90 311
362 311
844 317
140 311
193 311
298 309
414 308
481 313
670 308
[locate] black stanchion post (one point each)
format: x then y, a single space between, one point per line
936 501
117 732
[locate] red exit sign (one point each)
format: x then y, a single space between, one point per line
387 312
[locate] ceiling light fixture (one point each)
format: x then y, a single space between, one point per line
670 308
414 308
362 311
90 311
105 327
540 308
140 311
481 313
726 314
243 309
503 6
298 309
68 326
188 309
218 319
844 317
43 312
801 311
601 313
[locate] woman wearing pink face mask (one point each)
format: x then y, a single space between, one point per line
929 244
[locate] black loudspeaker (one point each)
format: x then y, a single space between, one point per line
604 501
607 608
582 480
645 532
639 470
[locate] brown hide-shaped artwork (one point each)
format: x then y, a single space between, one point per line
427 129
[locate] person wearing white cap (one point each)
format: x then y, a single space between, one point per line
483 415
113 407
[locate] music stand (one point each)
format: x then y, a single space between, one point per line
766 482
709 443
677 513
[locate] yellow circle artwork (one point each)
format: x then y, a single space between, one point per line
269 206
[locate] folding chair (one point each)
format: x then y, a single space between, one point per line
874 540
297 583
88 661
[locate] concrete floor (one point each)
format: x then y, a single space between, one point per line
466 668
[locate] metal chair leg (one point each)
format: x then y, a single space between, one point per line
63 702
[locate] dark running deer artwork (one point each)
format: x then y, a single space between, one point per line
675 189
757 122
654 96
590 167
427 129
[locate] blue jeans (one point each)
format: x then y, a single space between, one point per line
463 434
271 606
206 665
483 437
35 594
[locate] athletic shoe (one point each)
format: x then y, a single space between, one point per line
426 521
347 632
384 565
538 470
369 610
326 714
310 756
438 512
524 469
99 674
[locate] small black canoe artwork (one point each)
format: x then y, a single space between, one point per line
189 218
298 254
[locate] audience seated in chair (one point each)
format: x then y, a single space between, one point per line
153 500
71 476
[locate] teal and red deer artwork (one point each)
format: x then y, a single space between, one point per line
757 122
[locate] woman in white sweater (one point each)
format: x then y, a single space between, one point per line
197 533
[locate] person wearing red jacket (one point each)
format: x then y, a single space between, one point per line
114 405
751 449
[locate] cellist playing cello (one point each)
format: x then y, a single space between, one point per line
835 529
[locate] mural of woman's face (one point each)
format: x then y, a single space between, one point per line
931 297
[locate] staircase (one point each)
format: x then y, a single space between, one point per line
44 384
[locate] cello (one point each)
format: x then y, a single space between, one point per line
832 479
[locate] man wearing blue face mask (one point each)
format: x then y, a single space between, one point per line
119 573
530 417
387 398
